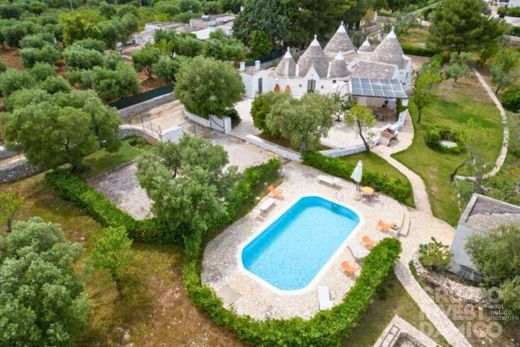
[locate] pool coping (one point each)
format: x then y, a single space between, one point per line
326 267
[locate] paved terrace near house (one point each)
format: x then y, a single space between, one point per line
222 269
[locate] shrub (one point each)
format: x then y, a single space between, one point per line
3 66
511 100
37 40
55 84
41 71
46 54
326 328
13 80
513 12
435 256
501 11
395 188
77 57
436 134
262 106
514 31
90 43
421 51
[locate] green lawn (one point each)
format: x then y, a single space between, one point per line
391 300
466 107
102 161
415 37
372 162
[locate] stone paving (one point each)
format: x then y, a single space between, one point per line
401 333
122 188
405 139
240 290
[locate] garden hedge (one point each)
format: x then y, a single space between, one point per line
421 51
72 188
436 134
399 190
511 100
326 328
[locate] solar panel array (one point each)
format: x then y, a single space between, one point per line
377 88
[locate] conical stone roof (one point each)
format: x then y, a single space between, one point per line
340 42
338 67
365 47
313 56
389 51
287 66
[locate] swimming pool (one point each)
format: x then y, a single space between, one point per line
291 251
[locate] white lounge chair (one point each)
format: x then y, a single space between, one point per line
267 205
329 180
358 251
324 298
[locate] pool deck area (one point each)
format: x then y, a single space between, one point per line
222 268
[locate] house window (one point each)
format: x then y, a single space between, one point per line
311 86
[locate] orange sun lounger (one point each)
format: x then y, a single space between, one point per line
368 242
348 269
275 193
386 227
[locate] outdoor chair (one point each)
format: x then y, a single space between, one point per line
275 193
386 227
368 242
348 269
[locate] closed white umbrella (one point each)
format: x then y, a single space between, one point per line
357 173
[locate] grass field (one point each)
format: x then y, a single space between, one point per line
415 37
154 308
391 300
374 163
466 107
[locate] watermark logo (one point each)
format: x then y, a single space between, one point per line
472 320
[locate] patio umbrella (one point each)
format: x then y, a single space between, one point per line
357 173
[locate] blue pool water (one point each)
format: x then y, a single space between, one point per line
292 250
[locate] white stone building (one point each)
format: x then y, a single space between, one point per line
333 68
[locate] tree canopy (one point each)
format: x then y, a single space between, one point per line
303 122
207 86
188 186
63 129
42 301
459 25
363 118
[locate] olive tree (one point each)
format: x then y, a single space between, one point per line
62 130
362 117
111 253
145 58
42 300
303 122
10 204
207 86
188 186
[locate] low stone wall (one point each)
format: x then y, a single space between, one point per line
17 170
220 124
281 151
458 291
6 154
341 152
146 105
126 130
